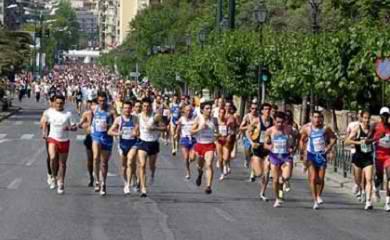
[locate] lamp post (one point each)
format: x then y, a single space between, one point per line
260 16
315 9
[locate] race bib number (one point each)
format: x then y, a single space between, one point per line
319 144
223 130
186 130
101 125
385 141
279 146
127 133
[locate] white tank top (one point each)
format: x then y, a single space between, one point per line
145 133
58 121
206 135
186 126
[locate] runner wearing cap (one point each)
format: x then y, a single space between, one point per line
380 135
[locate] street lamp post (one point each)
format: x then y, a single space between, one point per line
260 15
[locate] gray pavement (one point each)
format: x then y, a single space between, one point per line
174 209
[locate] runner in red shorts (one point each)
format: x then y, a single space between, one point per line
381 137
204 129
58 139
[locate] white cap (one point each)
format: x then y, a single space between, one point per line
384 110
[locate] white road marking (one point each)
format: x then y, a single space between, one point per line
37 123
4 140
18 122
27 136
80 137
15 184
225 215
2 135
112 174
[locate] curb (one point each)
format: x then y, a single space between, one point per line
12 112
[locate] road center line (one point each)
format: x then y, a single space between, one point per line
27 136
18 122
15 184
2 135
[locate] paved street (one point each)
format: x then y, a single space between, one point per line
174 209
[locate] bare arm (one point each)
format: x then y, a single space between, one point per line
332 139
113 131
350 139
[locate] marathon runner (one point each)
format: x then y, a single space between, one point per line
278 142
187 141
150 125
58 138
101 142
256 136
204 128
174 116
126 128
363 158
221 144
86 123
316 140
380 135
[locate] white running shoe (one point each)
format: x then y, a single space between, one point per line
320 201
126 189
188 177
53 185
286 187
222 177
387 207
263 198
277 203
229 170
103 190
316 206
363 197
49 180
368 205
60 190
225 170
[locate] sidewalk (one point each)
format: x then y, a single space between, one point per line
11 111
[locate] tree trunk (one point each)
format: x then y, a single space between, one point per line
334 120
303 111
242 106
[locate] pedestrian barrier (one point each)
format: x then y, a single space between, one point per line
342 161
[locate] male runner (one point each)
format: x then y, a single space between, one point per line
101 142
317 140
58 139
175 115
381 137
126 128
204 128
363 157
256 136
150 125
247 121
278 142
85 123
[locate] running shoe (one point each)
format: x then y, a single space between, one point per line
287 186
320 201
225 170
358 196
126 189
363 197
60 190
262 197
368 205
53 185
97 187
103 190
208 190
188 177
222 177
316 206
49 180
387 207
143 195
277 203
229 170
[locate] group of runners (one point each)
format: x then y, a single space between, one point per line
137 117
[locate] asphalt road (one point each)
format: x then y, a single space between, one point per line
174 209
